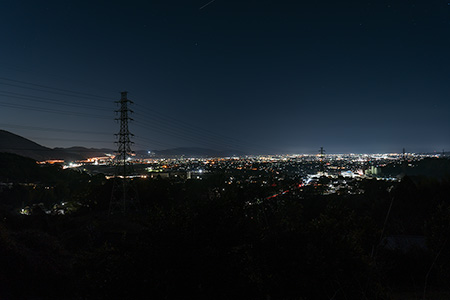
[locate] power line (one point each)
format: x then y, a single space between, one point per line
172 133
67 140
190 127
58 76
53 88
195 138
46 129
165 124
54 149
189 130
193 127
53 129
34 108
48 100
151 141
53 92
169 131
124 195
192 131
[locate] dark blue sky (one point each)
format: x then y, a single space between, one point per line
258 76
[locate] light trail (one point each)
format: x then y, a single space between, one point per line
206 4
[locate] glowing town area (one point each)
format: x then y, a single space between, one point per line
327 174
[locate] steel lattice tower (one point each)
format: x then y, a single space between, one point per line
322 166
124 195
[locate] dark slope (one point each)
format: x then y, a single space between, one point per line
12 143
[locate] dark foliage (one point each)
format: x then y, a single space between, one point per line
206 239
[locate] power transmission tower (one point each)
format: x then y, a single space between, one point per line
322 154
404 162
124 194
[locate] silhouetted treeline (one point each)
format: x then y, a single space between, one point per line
207 239
428 167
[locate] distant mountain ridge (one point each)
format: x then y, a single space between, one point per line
84 152
196 152
13 143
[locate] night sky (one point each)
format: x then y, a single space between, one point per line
258 76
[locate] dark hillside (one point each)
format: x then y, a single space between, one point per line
12 143
14 167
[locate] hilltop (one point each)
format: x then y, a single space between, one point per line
12 143
16 144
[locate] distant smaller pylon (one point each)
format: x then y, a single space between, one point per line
322 163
